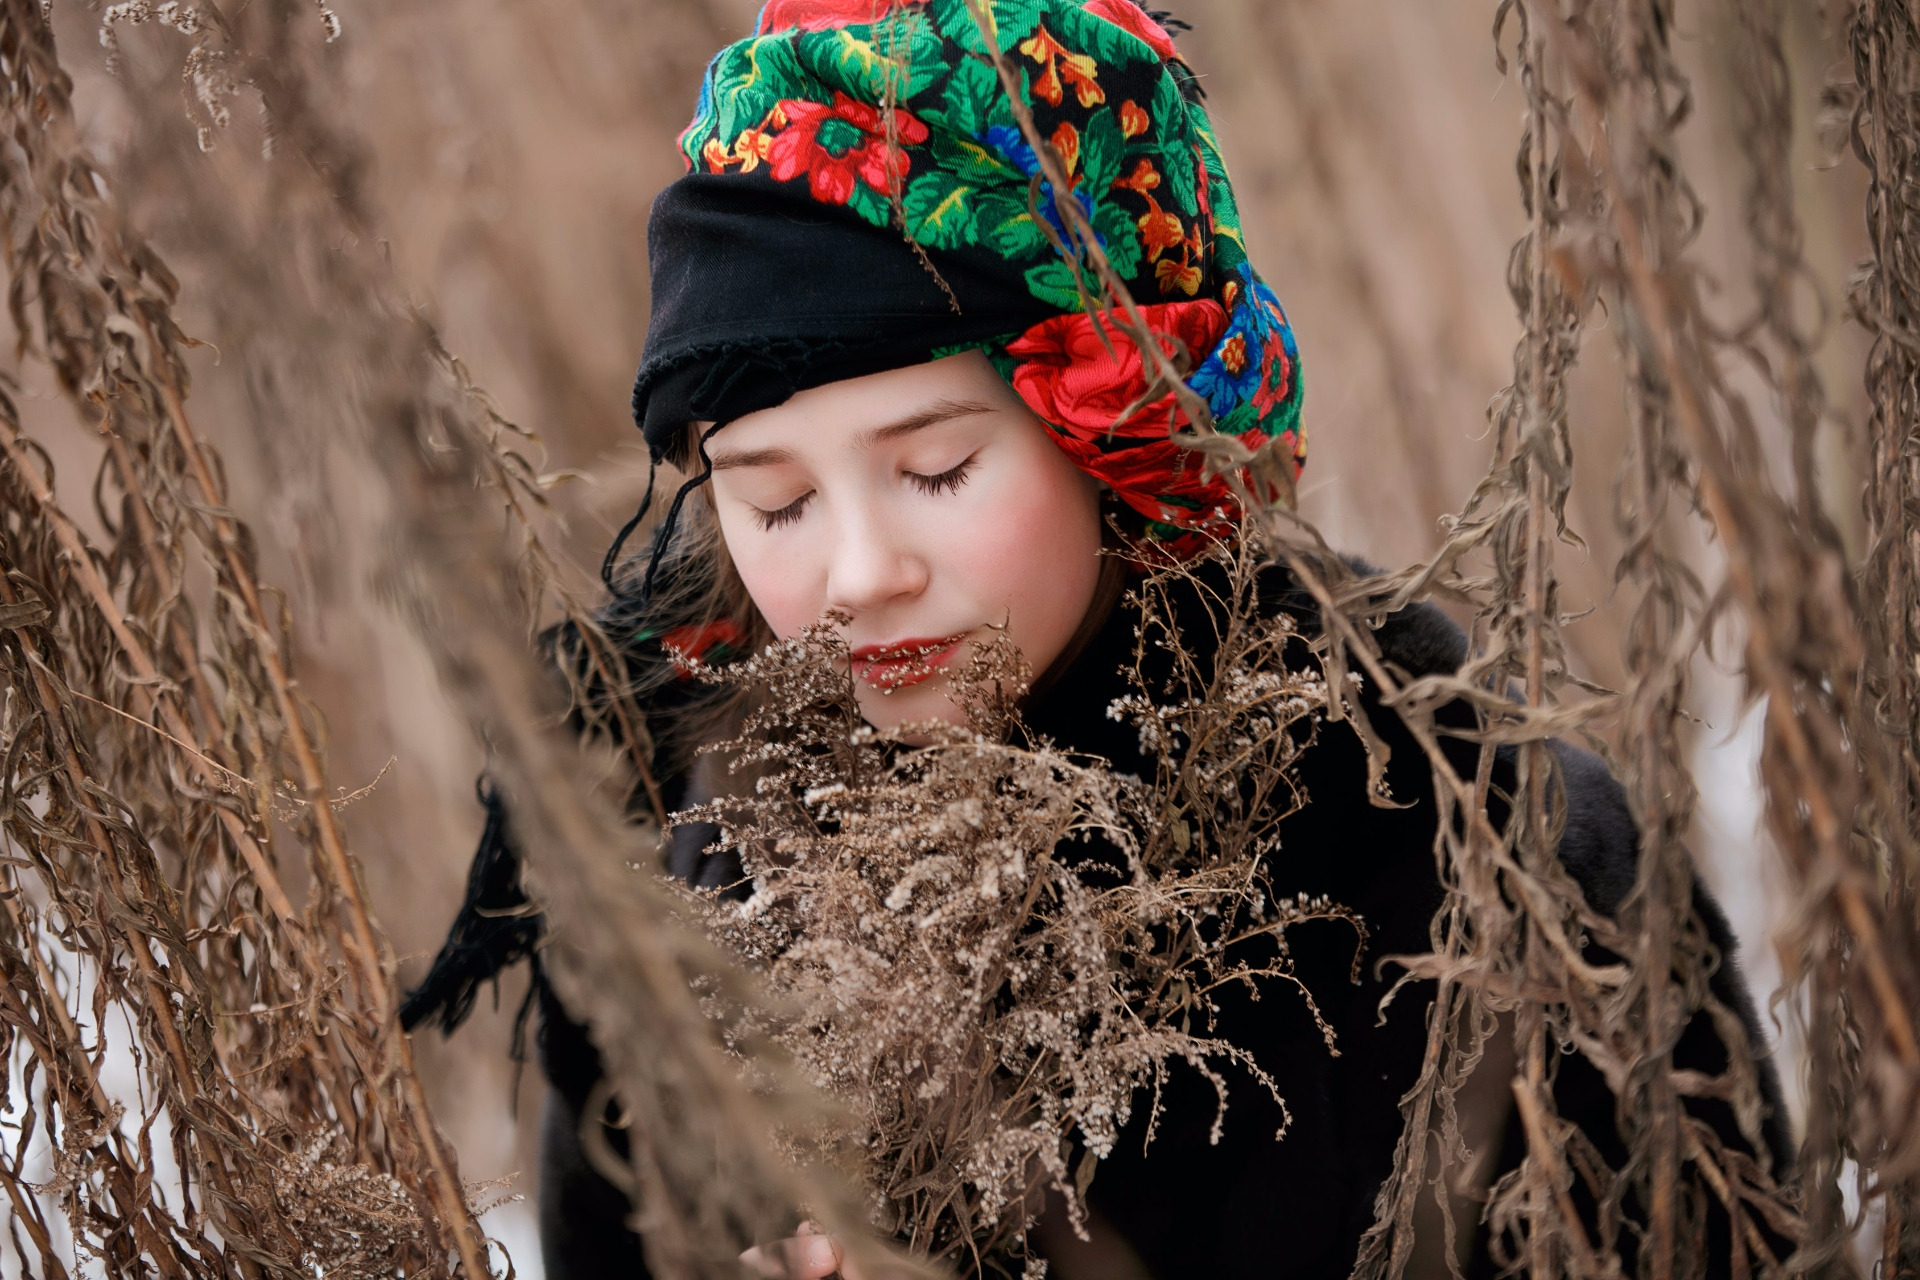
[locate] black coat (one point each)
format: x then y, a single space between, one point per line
1249 1206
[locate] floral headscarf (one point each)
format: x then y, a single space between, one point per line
887 118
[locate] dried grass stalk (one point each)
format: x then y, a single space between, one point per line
424 440
1863 958
1614 219
991 950
159 756
161 762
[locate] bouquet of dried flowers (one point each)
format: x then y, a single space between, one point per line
989 947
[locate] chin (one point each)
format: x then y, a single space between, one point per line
888 711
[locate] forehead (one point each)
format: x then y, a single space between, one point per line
850 413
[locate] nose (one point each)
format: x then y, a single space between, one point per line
874 564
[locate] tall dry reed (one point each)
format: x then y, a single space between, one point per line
165 773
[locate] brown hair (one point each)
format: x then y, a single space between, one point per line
696 586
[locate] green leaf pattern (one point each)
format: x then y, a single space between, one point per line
808 100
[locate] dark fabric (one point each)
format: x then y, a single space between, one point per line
760 291
1294 1209
1251 1206
494 929
583 1217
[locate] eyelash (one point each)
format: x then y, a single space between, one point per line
771 520
948 481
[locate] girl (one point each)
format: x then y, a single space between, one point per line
873 350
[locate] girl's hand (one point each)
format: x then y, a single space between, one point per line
805 1255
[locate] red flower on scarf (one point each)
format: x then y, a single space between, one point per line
839 144
1184 275
1272 390
1070 378
690 644
1143 179
1148 473
1129 17
1159 229
1068 375
820 15
1066 144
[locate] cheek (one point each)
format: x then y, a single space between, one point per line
775 572
1035 555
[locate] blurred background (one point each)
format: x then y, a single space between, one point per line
509 151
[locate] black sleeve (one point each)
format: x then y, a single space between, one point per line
1601 851
583 1230
1381 862
583 1217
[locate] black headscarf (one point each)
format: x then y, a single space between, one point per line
760 291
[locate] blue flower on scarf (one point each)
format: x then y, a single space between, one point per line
1014 148
1274 317
1230 376
1012 144
1230 373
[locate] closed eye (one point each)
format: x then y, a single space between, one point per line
945 482
770 520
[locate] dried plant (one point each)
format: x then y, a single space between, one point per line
1613 220
266 1038
163 770
134 859
1513 934
1862 939
990 949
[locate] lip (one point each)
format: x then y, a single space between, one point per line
898 664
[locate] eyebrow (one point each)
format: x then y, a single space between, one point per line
751 458
934 414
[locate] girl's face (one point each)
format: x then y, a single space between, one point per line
928 504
